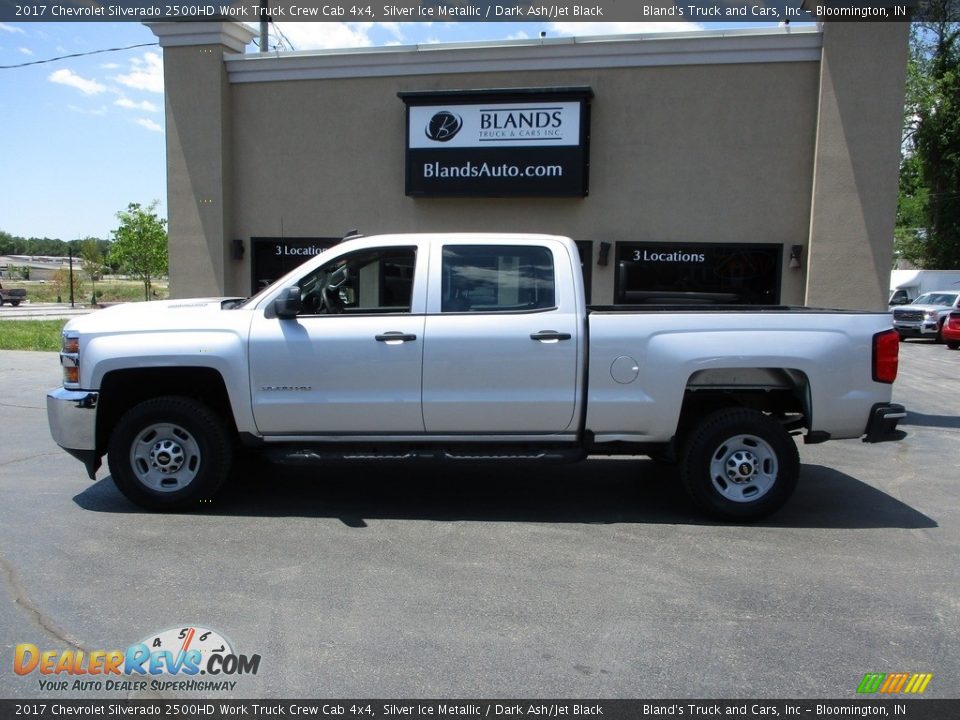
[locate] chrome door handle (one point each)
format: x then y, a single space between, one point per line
395 337
550 335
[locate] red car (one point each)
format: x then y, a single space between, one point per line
950 333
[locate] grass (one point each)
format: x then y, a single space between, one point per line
30 334
108 290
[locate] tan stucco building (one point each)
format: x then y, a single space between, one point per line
745 166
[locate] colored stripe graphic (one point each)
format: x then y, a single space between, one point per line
894 683
871 683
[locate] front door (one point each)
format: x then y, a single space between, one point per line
351 362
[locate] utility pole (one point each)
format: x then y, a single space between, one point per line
70 255
264 26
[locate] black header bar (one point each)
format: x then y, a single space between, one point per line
698 11
540 709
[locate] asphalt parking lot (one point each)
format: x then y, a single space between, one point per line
587 581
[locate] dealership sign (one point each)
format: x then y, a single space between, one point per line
498 143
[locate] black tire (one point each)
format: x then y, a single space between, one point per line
739 464
953 345
15 303
170 453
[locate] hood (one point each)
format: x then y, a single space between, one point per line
924 307
153 315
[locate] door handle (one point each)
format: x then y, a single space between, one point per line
394 337
550 336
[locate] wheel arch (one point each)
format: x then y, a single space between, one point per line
123 389
782 392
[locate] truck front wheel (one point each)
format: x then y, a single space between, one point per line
739 464
169 453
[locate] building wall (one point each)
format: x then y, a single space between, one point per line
705 152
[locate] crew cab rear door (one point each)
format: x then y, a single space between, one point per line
501 348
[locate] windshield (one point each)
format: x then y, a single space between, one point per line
942 299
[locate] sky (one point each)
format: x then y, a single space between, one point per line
84 136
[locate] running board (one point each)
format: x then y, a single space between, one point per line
312 456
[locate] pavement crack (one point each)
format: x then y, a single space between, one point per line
29 457
21 598
20 407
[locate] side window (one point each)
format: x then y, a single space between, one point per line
364 282
496 278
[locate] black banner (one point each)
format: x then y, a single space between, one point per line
699 11
473 708
524 142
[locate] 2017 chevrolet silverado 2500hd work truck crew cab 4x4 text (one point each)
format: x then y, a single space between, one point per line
464 348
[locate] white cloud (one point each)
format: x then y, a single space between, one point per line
583 29
518 36
12 29
145 105
71 79
25 51
145 73
149 125
326 35
110 66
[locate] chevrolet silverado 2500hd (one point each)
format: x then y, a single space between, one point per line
465 347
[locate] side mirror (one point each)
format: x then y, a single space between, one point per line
288 304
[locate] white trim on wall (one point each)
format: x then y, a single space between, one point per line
700 48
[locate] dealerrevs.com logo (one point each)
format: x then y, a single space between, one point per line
173 659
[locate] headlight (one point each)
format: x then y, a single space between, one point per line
930 314
70 359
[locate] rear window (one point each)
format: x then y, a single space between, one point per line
497 278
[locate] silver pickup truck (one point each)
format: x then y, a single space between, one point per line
465 347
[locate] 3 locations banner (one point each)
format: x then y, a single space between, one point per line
525 142
699 11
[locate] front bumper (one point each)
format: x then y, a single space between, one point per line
916 329
882 425
72 415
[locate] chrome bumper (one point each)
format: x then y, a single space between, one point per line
72 415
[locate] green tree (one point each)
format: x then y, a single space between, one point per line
91 259
928 215
140 244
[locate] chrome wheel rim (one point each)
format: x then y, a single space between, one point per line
165 457
743 468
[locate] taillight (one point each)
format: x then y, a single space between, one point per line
953 322
886 356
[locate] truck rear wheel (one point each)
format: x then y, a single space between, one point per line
739 464
169 453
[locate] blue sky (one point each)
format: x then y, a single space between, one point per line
84 136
